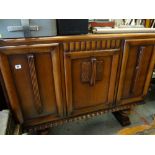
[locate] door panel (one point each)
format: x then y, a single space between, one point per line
136 70
90 80
35 72
87 97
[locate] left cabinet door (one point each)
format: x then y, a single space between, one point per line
31 75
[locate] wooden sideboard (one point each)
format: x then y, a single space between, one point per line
53 80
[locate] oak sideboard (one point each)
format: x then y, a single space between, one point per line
53 80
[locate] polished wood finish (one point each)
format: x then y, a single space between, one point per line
55 79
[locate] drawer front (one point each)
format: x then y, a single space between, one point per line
136 71
90 80
32 79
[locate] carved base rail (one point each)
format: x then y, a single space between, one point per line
77 118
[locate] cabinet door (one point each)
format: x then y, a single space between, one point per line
31 75
136 71
90 80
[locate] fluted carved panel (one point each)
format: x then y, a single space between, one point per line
91 45
36 94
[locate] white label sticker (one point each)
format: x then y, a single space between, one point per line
18 66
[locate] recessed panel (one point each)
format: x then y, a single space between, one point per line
136 71
85 95
24 81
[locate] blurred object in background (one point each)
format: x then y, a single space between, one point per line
149 23
129 23
72 26
135 23
27 28
122 25
101 23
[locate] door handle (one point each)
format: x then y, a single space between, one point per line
140 55
93 72
34 81
140 58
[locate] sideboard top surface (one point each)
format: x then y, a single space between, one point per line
19 41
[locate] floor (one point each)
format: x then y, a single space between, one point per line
107 124
4 116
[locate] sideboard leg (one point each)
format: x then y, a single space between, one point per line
123 117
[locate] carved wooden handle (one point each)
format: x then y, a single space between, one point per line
137 69
33 75
93 73
141 51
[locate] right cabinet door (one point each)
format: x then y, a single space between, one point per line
136 70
